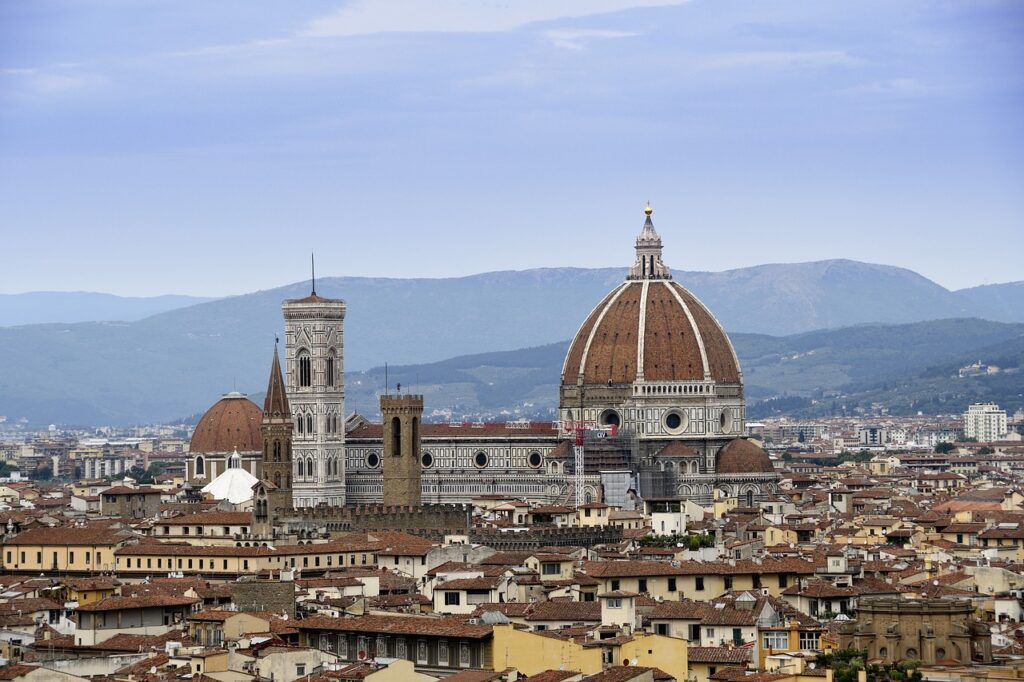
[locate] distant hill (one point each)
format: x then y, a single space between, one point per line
40 307
1001 302
815 368
178 362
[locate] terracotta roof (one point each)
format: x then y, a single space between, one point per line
742 456
465 430
605 348
138 602
677 449
397 625
92 534
232 423
718 654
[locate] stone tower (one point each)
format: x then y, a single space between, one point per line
314 333
277 428
402 415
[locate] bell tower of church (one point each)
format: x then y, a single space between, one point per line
314 334
277 427
402 416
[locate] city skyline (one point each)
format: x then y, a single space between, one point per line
162 149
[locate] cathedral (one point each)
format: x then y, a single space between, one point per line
651 380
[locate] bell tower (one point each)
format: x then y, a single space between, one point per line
402 416
314 365
276 427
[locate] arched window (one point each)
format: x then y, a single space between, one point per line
300 423
309 424
330 368
396 437
305 369
277 479
750 498
309 467
200 466
277 451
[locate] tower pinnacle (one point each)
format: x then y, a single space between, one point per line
648 263
276 403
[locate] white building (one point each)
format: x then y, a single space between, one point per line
985 422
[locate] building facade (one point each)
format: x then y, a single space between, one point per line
985 422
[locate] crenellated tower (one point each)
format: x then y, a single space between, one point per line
402 415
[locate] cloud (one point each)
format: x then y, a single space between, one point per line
777 59
578 39
908 87
365 17
58 79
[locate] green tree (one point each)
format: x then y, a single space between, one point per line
985 450
943 448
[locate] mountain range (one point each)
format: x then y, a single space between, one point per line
40 307
178 362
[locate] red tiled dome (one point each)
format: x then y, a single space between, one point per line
681 339
741 456
233 423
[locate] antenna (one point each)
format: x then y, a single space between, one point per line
386 384
312 267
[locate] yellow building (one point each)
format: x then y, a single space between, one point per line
534 652
91 590
593 515
66 549
214 628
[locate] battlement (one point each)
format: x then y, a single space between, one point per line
403 401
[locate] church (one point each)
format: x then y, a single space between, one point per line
651 381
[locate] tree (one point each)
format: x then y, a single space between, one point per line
985 450
43 473
943 448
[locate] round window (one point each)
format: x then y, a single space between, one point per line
373 460
535 459
480 459
725 420
610 418
675 421
427 460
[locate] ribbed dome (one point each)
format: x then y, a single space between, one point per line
233 423
741 456
654 330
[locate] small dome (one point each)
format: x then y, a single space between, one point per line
234 485
741 456
233 423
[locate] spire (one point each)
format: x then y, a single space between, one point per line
312 269
648 263
276 403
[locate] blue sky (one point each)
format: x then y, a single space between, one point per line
207 147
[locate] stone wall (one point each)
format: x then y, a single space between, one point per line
276 596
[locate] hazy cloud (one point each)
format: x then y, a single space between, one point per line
365 17
578 39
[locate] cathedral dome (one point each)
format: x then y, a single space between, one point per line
650 328
233 423
741 456
652 331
